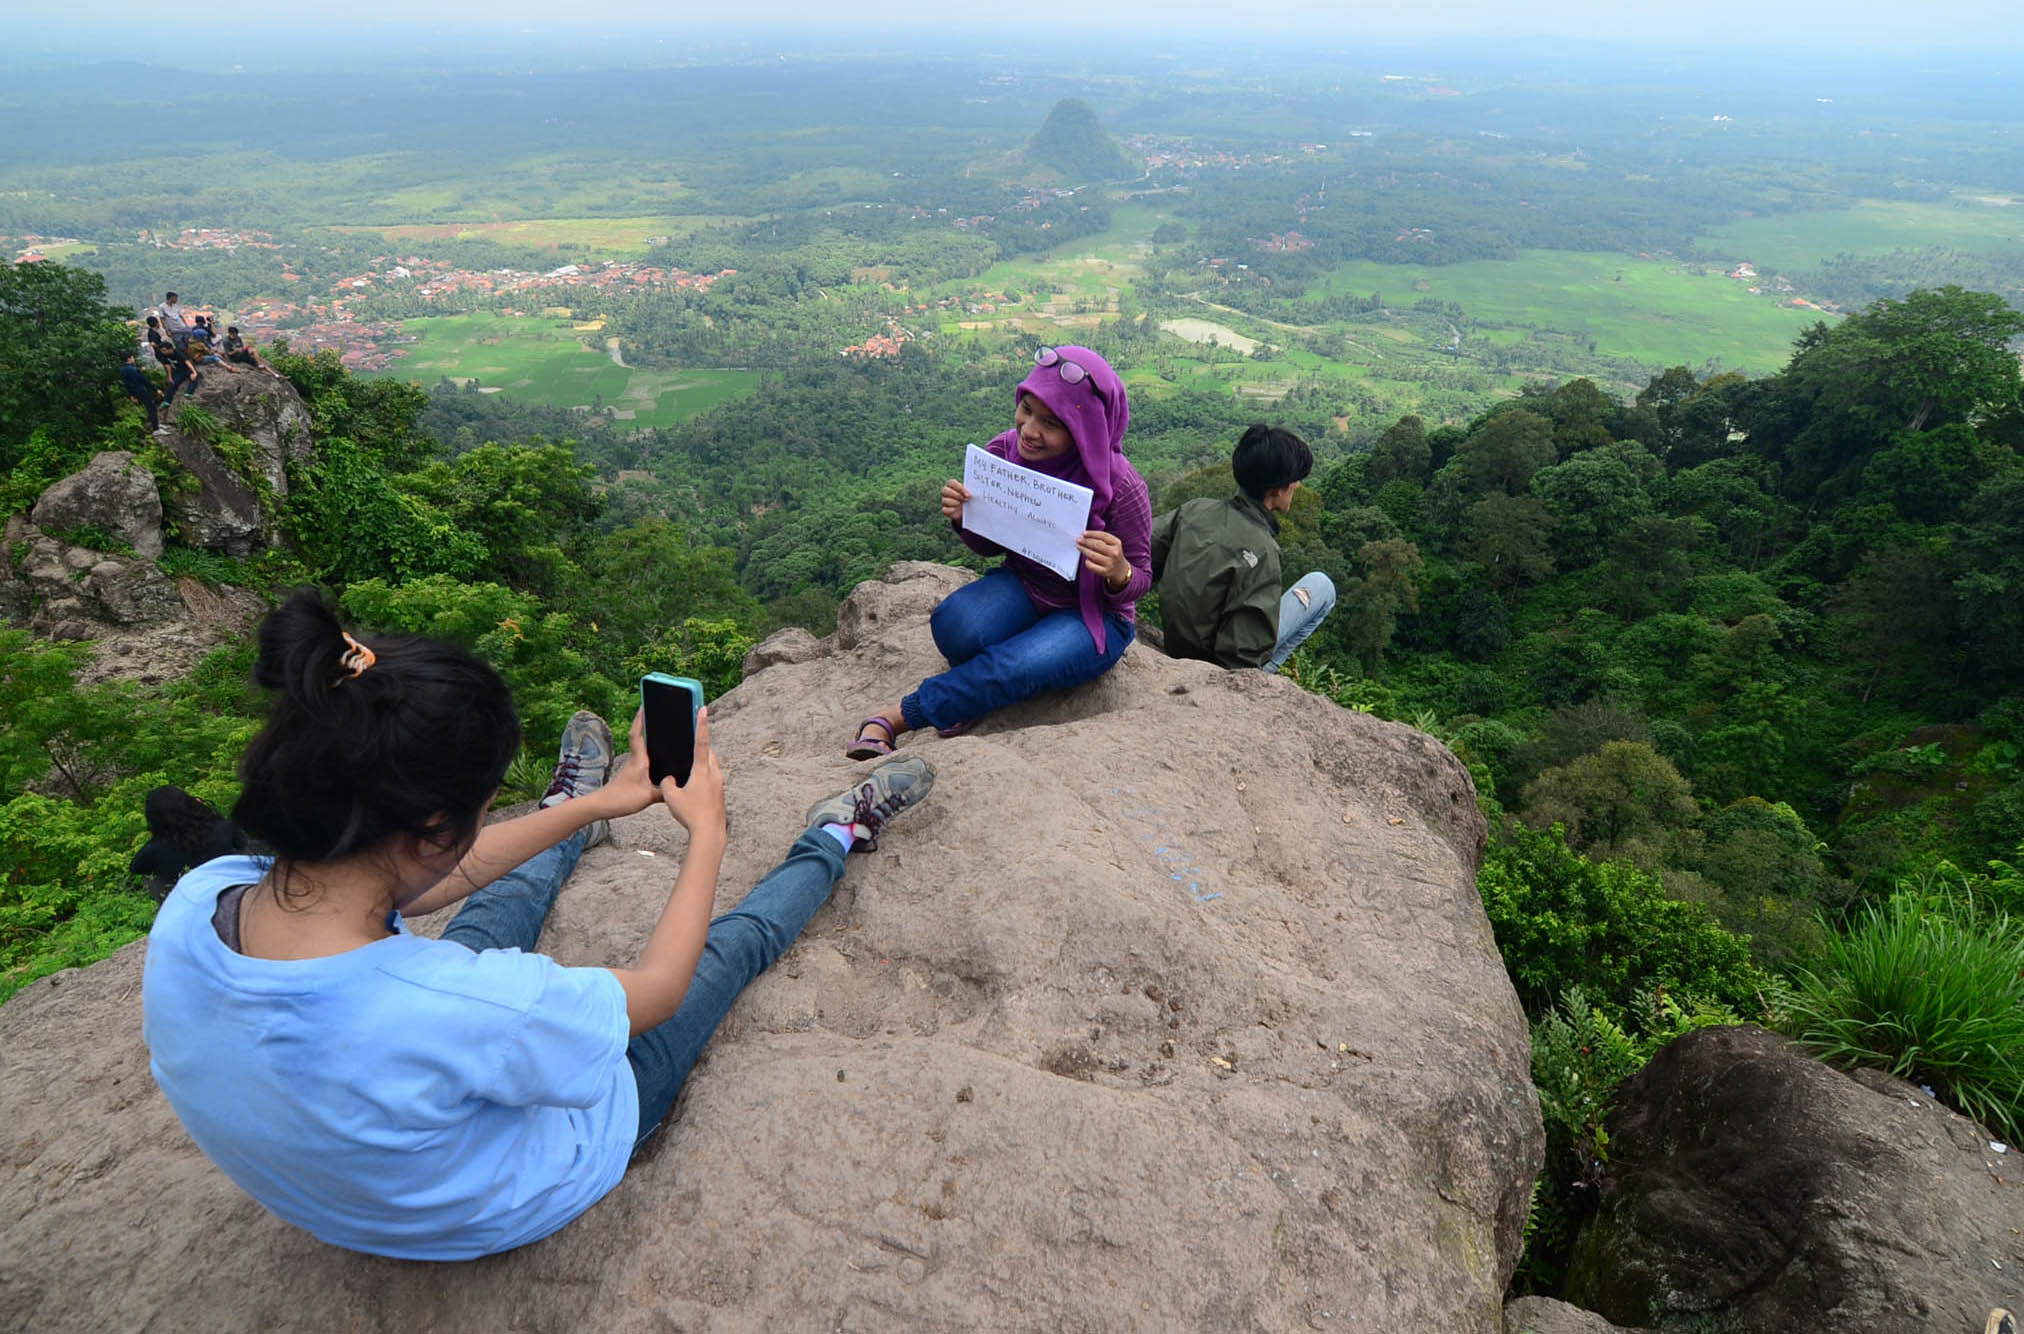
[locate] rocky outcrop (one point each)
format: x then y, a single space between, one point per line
66 591
1174 1008
113 494
1752 1188
266 410
146 627
81 564
232 498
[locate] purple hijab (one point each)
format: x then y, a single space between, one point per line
1095 411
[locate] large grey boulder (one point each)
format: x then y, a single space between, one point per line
231 501
266 410
1751 1188
112 493
219 510
1174 1008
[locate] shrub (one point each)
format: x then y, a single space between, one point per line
1928 986
711 651
79 761
1608 927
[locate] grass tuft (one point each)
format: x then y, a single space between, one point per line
1928 987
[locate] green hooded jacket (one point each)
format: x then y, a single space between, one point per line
1217 566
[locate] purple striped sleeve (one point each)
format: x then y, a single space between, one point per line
1130 520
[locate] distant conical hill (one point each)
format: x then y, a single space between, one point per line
1074 143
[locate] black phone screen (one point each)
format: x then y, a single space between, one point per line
671 731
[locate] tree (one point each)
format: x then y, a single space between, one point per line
1507 535
384 415
1594 496
1562 920
1989 555
1929 475
1768 866
1625 793
651 575
1938 355
1573 731
533 648
1684 421
1650 560
351 522
1898 613
1371 602
1504 450
526 503
60 356
1580 414
1932 359
1735 497
1401 452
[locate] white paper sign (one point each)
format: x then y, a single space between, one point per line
1024 511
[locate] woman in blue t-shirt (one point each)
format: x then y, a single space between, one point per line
445 1099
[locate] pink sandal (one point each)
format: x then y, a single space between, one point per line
864 747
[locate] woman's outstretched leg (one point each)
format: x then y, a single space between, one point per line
744 942
509 912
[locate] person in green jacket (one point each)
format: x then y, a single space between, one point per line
1216 563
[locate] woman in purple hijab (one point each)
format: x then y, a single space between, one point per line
1023 629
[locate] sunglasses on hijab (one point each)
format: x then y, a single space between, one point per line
1071 372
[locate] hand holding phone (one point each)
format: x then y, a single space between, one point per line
671 704
698 805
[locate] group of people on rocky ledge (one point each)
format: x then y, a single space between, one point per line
451 1098
180 343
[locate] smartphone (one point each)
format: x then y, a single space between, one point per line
671 704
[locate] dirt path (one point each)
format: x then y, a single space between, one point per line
611 346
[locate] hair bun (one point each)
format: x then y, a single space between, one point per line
300 645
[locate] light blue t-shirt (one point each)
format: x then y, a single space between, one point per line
409 1098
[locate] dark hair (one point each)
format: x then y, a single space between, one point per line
231 328
414 744
171 297
1269 457
154 323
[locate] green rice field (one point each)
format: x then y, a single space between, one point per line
545 361
1652 311
1794 241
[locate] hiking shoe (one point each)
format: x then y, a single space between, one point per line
581 768
2000 1322
889 789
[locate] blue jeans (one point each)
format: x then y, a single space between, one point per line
1002 649
1298 619
508 913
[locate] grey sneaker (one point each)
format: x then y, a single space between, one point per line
581 767
889 789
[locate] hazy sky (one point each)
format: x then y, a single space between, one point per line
1746 24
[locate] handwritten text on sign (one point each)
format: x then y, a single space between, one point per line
1024 511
